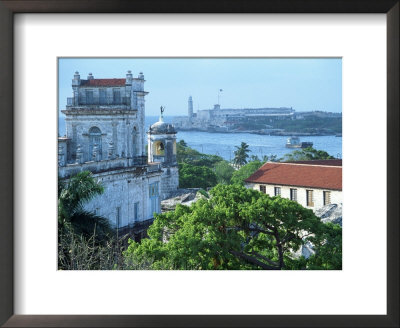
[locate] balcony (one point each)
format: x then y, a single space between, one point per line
140 160
101 101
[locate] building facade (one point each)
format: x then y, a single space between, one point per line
105 134
221 117
313 184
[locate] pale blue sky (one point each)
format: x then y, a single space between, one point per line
304 84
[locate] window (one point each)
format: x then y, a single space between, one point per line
154 199
102 96
94 139
310 197
136 212
263 189
277 191
159 148
293 194
116 96
327 197
153 189
89 97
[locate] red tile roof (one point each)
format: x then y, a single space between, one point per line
103 83
300 175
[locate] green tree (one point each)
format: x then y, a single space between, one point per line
237 228
83 236
245 171
241 154
72 196
271 158
307 154
224 172
185 154
191 176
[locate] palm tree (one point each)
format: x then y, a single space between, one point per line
72 196
241 154
86 241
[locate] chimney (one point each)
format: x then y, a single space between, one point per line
129 77
77 79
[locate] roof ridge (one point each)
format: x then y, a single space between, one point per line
304 164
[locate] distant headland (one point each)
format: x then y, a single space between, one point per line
282 121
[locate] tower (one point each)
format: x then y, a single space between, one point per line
190 109
105 134
161 142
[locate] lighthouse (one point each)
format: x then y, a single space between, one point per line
190 109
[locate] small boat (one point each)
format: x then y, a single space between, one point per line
294 142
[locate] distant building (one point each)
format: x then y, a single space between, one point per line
218 117
105 134
313 184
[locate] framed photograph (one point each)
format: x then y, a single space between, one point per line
128 109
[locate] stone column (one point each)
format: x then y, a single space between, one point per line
115 136
79 154
61 156
111 154
95 154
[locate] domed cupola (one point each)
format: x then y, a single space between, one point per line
162 127
162 142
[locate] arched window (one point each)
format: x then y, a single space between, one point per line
158 148
94 138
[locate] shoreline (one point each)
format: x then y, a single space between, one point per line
274 134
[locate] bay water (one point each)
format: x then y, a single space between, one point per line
223 144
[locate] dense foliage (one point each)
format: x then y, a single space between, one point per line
310 124
245 171
196 170
237 228
191 176
185 154
307 154
224 172
85 240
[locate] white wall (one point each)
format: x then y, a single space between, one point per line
336 195
123 190
118 128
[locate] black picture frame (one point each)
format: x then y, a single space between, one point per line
7 10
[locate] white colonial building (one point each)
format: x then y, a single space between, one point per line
105 134
313 184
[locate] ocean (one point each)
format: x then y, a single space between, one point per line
223 144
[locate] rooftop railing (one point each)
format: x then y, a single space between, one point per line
98 101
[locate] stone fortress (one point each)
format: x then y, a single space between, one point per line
105 134
221 119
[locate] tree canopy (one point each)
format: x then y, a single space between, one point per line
191 176
73 194
85 239
245 171
307 154
185 154
224 172
241 154
237 228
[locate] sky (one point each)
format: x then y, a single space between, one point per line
305 84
